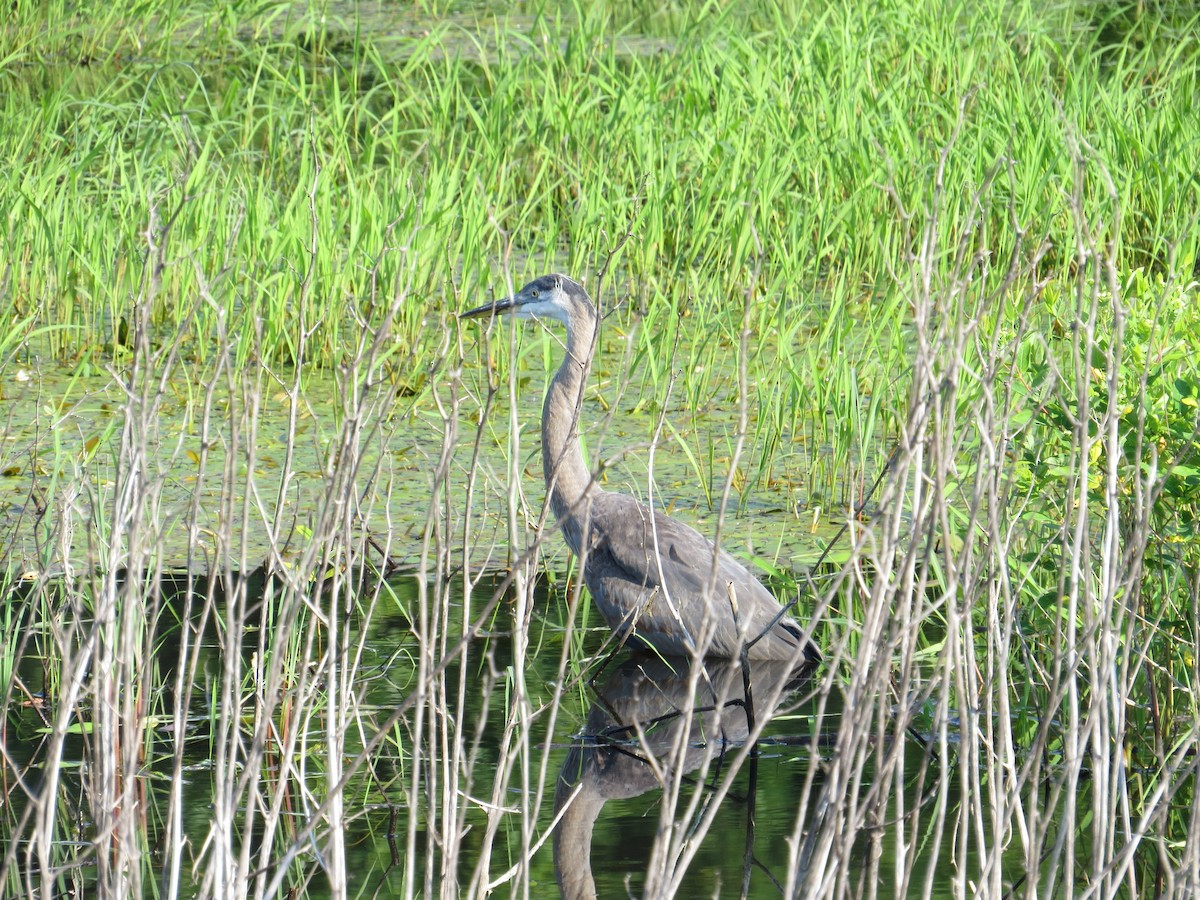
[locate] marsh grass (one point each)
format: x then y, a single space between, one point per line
950 243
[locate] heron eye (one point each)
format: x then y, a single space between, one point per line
535 293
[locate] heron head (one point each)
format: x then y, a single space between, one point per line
548 297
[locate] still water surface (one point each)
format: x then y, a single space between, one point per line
693 724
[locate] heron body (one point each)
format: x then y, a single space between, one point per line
655 580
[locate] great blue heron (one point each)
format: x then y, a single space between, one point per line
655 580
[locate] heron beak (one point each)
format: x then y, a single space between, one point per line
495 308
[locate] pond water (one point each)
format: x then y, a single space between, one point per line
653 751
205 455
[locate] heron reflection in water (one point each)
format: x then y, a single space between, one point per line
652 722
655 580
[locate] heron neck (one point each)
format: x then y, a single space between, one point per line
567 477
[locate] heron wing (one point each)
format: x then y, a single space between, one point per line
664 595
